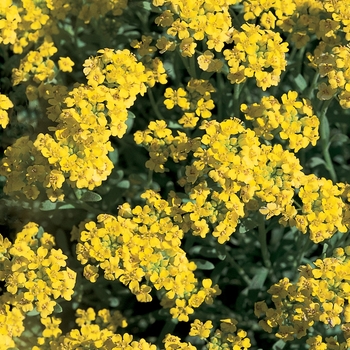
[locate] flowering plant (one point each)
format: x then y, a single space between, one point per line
174 174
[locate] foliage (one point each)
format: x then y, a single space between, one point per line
174 174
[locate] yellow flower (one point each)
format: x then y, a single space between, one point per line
201 329
181 310
65 64
325 92
187 47
5 102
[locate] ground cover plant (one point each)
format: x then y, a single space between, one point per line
174 174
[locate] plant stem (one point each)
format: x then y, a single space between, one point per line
324 134
154 104
238 268
303 245
263 244
309 92
220 96
193 66
236 103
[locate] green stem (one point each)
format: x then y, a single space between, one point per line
303 245
324 135
238 268
193 71
299 58
235 18
220 96
168 328
310 91
154 104
149 179
83 205
263 243
236 103
189 67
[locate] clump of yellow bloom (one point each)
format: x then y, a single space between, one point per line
5 104
27 22
228 169
258 53
141 248
333 65
195 101
28 173
86 117
35 275
36 65
318 296
192 21
293 120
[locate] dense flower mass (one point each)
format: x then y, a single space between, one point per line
35 275
179 152
142 246
318 296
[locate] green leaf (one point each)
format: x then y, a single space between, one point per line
40 232
203 264
146 5
47 205
300 82
324 131
174 125
279 345
57 309
247 225
65 206
220 269
130 121
117 174
316 161
259 279
137 179
33 312
221 249
339 139
206 252
90 196
114 156
114 302
124 184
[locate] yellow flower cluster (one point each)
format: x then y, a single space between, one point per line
229 170
320 295
35 275
245 176
292 120
192 21
227 337
5 104
323 208
33 271
303 20
96 331
141 248
11 323
195 101
326 19
36 65
27 22
258 53
334 66
86 117
28 172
